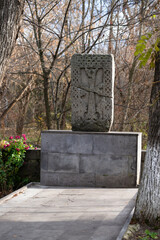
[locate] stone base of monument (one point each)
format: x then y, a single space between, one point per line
89 159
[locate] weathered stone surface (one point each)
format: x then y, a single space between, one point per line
68 179
90 159
52 213
63 163
92 92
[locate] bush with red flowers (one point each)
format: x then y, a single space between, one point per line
12 154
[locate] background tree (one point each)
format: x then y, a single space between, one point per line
10 15
51 32
147 205
52 50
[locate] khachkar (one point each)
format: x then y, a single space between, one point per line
92 92
90 156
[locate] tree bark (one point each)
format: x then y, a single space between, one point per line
10 15
23 106
46 100
148 200
83 24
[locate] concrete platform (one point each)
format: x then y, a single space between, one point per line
59 213
90 159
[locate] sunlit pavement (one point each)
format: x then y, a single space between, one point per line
55 213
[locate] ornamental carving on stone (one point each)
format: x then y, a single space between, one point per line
92 92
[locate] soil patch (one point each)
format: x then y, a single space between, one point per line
3 194
136 231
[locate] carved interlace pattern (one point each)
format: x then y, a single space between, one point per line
91 94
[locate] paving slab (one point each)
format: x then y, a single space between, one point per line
60 213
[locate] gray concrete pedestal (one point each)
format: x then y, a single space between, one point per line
90 159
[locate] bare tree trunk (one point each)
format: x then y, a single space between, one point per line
62 119
14 101
46 100
23 106
133 66
83 24
10 15
64 99
148 200
129 94
91 22
110 48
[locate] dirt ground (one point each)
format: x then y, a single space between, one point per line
3 194
138 232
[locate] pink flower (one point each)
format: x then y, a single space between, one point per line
6 145
17 149
24 136
3 144
18 137
26 148
11 137
35 148
24 142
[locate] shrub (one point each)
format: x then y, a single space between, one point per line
12 154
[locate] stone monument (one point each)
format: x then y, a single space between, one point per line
92 92
89 155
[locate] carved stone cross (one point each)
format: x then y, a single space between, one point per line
92 92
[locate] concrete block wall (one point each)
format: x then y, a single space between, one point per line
90 159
